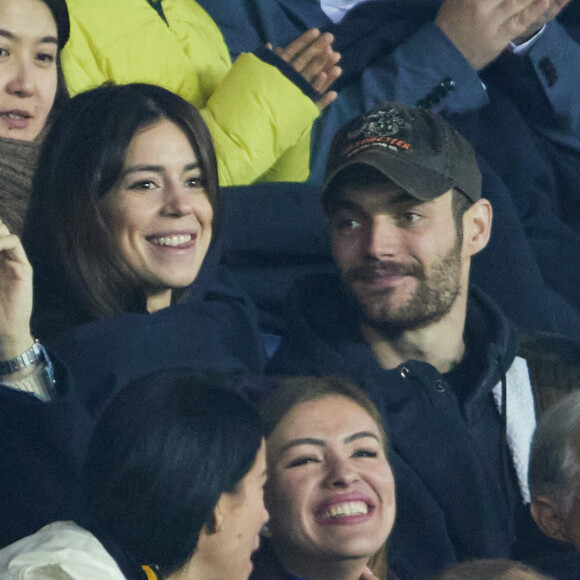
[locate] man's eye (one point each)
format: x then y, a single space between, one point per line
347 224
410 217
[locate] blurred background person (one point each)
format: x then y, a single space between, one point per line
553 544
259 108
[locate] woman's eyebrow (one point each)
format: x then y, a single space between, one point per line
302 441
10 36
157 168
7 34
137 168
50 39
361 435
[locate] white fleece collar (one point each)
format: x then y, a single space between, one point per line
520 419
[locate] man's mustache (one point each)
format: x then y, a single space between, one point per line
371 270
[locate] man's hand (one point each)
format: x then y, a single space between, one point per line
15 296
482 29
312 56
554 9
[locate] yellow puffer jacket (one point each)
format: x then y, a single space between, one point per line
260 121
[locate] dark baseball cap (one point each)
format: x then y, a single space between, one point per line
415 148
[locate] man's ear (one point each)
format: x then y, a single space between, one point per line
548 518
477 227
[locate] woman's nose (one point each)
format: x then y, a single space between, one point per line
178 201
21 83
341 473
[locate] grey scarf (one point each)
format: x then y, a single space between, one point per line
17 161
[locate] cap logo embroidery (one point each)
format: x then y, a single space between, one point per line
387 142
378 128
380 123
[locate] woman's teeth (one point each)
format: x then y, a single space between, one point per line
172 240
349 508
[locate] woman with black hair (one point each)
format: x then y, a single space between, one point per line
174 482
32 89
122 233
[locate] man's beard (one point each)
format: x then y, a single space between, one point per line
431 300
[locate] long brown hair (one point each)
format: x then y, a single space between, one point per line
79 273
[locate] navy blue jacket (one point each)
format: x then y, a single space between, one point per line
42 446
457 497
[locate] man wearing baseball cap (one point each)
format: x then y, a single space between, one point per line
403 198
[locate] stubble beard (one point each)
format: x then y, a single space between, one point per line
431 300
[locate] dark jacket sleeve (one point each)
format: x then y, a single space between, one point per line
42 446
215 333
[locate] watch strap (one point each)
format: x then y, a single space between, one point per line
28 358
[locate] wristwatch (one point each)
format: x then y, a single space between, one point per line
34 355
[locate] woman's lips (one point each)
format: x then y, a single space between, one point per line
16 119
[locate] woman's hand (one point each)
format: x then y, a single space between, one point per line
312 56
15 296
368 574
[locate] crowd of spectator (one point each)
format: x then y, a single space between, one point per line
289 289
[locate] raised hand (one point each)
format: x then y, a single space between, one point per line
554 9
312 56
481 29
368 574
15 296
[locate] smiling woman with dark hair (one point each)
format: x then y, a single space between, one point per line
122 234
107 168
